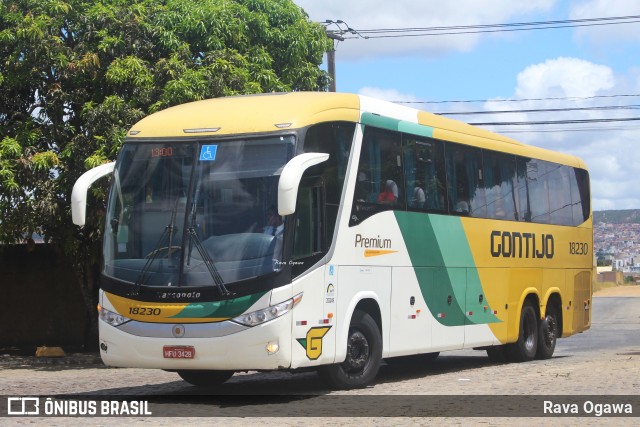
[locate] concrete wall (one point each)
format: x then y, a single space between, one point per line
611 276
40 299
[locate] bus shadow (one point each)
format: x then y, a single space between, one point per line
283 386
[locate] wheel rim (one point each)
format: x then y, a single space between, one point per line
529 332
358 352
549 328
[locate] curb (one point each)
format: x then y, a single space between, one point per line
92 360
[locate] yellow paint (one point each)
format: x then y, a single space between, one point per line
314 341
249 114
153 312
508 281
377 252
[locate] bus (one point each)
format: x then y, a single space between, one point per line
333 231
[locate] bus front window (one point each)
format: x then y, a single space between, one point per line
196 214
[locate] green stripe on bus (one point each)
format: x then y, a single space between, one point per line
396 125
219 309
444 266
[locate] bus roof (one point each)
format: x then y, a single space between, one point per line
250 114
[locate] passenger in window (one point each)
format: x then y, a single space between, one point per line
389 195
274 221
462 207
419 197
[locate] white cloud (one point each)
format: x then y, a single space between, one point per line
387 94
605 34
563 77
612 156
375 14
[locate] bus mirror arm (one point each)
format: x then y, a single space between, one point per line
290 180
80 188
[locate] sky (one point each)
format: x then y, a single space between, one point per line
585 67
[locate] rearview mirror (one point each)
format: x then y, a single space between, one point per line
290 180
79 193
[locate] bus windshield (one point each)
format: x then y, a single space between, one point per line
196 213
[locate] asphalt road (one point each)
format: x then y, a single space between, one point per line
615 325
602 361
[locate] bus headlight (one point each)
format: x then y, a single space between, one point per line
113 319
266 314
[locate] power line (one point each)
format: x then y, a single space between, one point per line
489 28
539 110
568 98
555 122
515 24
582 129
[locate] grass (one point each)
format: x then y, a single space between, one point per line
597 286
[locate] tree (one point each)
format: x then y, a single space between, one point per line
76 74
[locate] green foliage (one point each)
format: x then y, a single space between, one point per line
76 74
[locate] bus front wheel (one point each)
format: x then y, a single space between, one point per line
205 378
364 354
526 347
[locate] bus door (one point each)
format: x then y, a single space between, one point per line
313 327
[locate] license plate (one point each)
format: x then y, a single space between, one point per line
178 352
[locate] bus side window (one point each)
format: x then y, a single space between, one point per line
580 198
499 171
335 139
464 181
424 174
560 210
380 181
309 243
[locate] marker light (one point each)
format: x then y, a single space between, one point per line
201 130
266 314
273 347
113 319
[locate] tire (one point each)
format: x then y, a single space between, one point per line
364 354
548 331
526 347
497 354
205 378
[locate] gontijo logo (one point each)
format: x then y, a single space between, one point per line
313 341
374 246
509 244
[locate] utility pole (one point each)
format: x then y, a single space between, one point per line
334 35
331 59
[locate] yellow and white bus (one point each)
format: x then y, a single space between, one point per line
304 230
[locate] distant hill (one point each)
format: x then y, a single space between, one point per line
628 216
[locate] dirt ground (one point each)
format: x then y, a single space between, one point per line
619 291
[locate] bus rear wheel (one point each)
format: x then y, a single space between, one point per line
548 331
205 378
364 354
526 347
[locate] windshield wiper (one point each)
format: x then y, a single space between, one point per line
169 231
194 240
208 262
